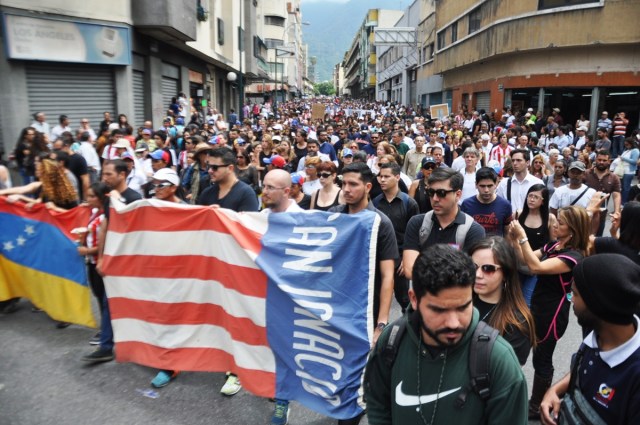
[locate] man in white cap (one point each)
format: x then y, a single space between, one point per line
574 193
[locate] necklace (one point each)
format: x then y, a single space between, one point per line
489 312
435 407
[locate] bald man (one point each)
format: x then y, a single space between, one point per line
275 192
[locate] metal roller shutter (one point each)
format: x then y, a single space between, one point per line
78 91
169 90
138 98
483 100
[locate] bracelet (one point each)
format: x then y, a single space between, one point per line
523 240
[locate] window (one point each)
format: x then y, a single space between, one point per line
441 40
220 32
276 68
272 43
432 50
274 20
549 4
454 32
474 20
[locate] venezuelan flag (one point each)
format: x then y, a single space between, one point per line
39 261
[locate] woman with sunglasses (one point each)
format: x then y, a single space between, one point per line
538 168
553 264
245 171
311 181
498 297
329 195
418 188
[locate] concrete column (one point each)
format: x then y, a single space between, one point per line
406 96
541 100
124 92
593 111
184 84
155 94
14 103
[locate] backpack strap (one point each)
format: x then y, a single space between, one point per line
463 229
580 196
390 349
425 229
482 340
509 189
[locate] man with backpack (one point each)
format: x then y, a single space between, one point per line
439 363
399 207
445 224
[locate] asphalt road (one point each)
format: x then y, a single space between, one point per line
43 381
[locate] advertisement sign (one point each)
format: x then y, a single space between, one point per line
64 41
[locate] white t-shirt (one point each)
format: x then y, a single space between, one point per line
564 196
519 190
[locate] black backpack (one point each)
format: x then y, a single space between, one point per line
484 336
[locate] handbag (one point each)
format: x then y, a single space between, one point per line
619 170
575 409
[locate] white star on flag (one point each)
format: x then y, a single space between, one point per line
29 230
21 241
8 246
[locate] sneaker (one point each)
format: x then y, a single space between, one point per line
98 356
62 325
163 378
95 340
36 310
281 413
232 386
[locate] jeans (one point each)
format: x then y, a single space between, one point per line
106 331
617 146
528 285
626 185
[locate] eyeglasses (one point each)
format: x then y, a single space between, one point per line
309 166
215 167
534 197
161 185
488 268
442 193
270 188
324 175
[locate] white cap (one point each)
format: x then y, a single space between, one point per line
167 174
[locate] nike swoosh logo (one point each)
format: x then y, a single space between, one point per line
403 399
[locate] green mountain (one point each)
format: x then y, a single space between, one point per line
333 26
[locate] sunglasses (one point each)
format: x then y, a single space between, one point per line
324 175
430 167
161 185
488 268
442 193
215 167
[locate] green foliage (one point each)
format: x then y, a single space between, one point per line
324 88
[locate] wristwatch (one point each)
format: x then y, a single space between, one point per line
381 325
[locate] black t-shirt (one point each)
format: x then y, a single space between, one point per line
240 198
399 212
614 246
305 202
78 166
439 235
128 196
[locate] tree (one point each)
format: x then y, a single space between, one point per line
324 88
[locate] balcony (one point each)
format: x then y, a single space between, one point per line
167 20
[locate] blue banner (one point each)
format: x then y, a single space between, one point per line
321 269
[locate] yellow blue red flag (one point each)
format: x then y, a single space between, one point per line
39 261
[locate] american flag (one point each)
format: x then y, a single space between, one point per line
282 300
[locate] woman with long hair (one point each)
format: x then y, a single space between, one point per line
538 168
245 171
553 263
123 124
383 148
52 187
28 146
537 222
329 195
498 297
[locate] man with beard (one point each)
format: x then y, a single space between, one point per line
603 180
430 373
605 372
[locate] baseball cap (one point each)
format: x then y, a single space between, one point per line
275 160
180 121
530 110
277 127
160 155
297 178
578 165
347 152
276 138
147 131
441 135
167 174
141 146
428 160
121 144
126 155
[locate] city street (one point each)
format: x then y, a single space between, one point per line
43 381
